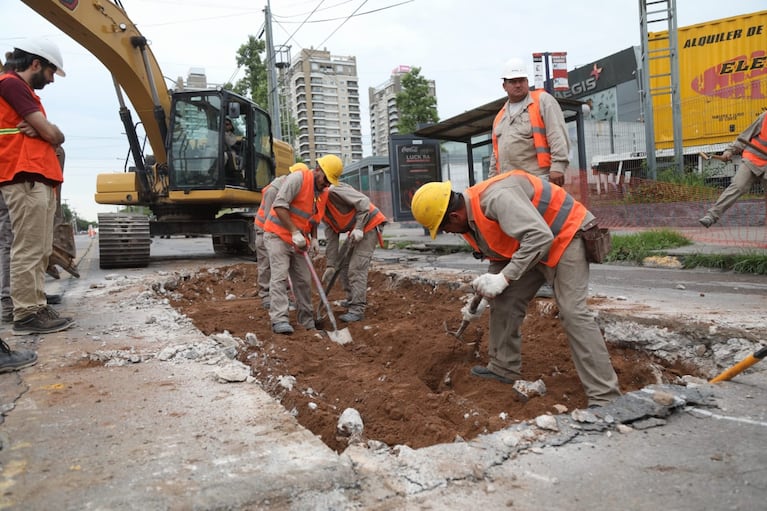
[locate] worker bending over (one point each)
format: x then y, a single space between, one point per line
530 230
349 210
291 223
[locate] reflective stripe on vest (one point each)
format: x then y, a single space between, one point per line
345 222
260 218
20 153
541 143
563 214
760 142
306 209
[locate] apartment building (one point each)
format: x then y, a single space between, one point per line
384 114
325 104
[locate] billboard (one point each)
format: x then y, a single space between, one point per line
414 162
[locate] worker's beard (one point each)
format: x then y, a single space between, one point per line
38 80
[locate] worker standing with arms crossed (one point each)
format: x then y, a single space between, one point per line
529 133
29 174
349 210
530 230
262 256
291 222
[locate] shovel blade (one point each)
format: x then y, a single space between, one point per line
343 336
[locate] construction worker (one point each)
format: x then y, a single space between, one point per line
262 256
292 221
529 133
529 229
349 210
752 145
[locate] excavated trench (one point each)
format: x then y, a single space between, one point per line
405 375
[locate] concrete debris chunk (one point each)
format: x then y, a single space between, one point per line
350 423
547 422
527 389
234 371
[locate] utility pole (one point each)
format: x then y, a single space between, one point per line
271 74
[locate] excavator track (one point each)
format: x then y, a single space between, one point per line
123 240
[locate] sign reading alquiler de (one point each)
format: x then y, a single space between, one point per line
415 161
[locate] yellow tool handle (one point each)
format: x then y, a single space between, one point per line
741 366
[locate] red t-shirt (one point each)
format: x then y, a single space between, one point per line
18 94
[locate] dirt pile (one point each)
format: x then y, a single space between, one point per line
405 375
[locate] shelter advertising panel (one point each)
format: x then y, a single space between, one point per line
414 162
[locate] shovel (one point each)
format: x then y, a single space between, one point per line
464 323
741 366
339 336
346 250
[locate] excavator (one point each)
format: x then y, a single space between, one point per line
210 153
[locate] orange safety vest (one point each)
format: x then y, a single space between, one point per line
260 218
541 143
20 153
344 222
563 214
760 142
306 209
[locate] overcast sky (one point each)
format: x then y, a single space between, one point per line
459 44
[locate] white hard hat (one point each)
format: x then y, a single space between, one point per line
514 68
45 49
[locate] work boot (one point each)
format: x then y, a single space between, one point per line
351 317
52 313
707 221
7 309
282 328
484 372
11 360
41 323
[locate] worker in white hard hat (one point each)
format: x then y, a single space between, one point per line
530 230
529 133
29 173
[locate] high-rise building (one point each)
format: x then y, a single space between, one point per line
326 106
384 114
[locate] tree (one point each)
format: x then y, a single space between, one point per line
414 102
254 84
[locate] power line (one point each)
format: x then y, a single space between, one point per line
342 23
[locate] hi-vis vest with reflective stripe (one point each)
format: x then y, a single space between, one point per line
260 218
760 141
20 153
563 214
541 143
306 209
345 222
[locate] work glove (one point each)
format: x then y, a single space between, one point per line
727 155
471 316
357 235
329 272
490 285
299 240
315 246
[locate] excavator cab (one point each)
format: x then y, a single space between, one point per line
218 140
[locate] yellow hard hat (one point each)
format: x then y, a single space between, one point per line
430 204
332 166
298 166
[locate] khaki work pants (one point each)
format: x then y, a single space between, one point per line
284 261
31 207
741 182
354 273
262 261
570 281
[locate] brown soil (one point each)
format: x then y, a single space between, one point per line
405 375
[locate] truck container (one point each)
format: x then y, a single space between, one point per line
722 79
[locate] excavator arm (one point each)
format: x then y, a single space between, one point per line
103 28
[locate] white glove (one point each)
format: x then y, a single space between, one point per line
467 314
357 235
490 285
329 272
315 246
299 240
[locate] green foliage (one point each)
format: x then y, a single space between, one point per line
254 84
635 247
746 263
414 102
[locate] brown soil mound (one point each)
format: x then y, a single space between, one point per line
406 376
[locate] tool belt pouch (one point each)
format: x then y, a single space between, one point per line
598 243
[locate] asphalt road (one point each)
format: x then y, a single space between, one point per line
109 420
